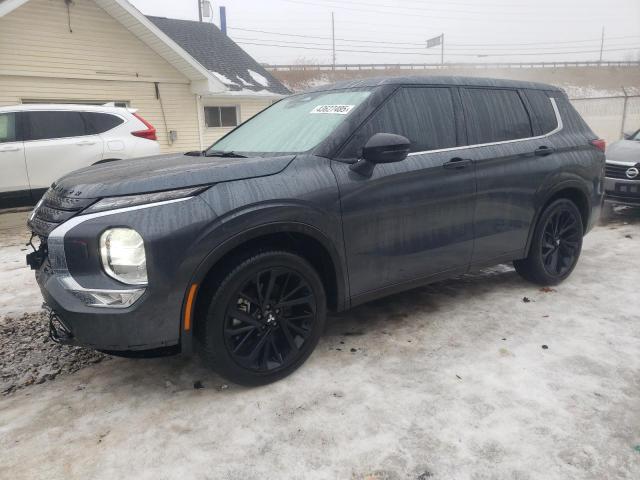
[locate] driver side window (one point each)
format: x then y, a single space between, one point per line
425 115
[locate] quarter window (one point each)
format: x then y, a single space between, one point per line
220 116
7 127
543 110
495 115
47 125
424 115
101 122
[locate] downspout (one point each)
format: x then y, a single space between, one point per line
198 99
164 117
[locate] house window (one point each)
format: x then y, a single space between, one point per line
221 116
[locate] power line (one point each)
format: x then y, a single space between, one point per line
396 48
412 9
422 43
424 54
430 16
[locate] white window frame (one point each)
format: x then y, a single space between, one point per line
219 107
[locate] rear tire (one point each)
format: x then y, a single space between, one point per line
264 319
556 245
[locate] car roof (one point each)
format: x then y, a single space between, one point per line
435 80
30 107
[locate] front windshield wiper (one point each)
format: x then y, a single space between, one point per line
220 153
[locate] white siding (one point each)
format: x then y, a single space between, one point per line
35 40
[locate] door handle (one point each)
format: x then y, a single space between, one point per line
457 163
543 151
9 149
85 142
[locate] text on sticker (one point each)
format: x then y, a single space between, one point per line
338 109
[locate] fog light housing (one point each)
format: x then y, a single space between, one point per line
123 255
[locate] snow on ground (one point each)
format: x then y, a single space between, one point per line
258 78
18 292
458 380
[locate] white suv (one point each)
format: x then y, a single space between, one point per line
40 143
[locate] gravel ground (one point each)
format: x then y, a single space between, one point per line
28 356
480 377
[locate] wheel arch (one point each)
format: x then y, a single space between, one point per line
569 189
305 240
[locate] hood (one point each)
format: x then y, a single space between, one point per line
624 151
163 172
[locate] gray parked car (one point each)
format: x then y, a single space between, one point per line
622 178
323 201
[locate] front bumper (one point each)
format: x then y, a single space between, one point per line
621 191
150 322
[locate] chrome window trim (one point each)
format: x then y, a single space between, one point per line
58 259
558 128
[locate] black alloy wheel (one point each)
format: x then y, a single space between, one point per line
269 318
561 241
555 245
264 318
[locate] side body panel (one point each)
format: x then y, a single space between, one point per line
409 220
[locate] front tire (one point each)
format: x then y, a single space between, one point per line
265 318
556 245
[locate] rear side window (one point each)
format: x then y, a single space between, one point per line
543 110
101 122
495 115
425 115
47 125
7 127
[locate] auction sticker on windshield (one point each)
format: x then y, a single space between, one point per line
337 109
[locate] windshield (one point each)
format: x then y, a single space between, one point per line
295 124
635 136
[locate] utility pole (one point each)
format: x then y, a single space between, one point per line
442 49
199 10
333 40
601 44
624 111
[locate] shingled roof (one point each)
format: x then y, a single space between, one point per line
219 54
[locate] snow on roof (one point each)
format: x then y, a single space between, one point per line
220 55
223 78
258 78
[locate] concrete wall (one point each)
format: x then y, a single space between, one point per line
603 115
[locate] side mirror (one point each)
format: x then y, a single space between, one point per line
382 148
627 135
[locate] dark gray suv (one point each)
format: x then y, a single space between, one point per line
327 199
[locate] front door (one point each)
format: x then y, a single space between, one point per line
14 182
412 219
56 143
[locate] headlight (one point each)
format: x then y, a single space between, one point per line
112 203
123 256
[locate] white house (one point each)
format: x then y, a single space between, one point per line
188 79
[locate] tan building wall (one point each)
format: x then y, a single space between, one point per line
99 60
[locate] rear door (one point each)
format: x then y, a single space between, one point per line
511 163
56 143
14 182
411 219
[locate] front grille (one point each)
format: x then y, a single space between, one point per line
618 171
54 210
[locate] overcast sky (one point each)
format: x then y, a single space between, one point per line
388 31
